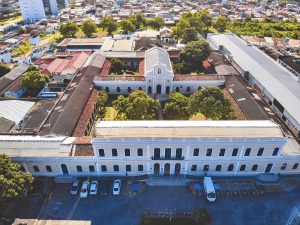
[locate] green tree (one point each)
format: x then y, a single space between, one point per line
32 68
139 21
137 106
34 81
13 183
156 23
177 107
23 48
69 29
101 103
194 53
178 30
108 24
189 34
116 65
127 26
205 17
211 103
89 28
4 69
220 24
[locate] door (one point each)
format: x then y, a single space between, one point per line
158 89
269 168
156 168
167 89
64 169
168 153
149 90
177 169
167 169
156 153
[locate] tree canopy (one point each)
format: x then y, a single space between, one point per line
126 25
177 107
108 24
137 106
211 103
156 23
34 81
194 53
139 21
220 24
13 183
4 69
101 102
69 29
190 34
116 65
89 28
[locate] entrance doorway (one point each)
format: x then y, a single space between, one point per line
64 169
268 168
167 89
149 90
158 89
167 169
177 169
156 168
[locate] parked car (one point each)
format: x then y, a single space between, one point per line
84 189
94 187
75 186
116 187
104 188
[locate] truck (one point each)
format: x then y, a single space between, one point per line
209 189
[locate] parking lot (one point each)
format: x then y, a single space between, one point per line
238 202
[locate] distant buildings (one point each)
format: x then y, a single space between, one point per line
38 9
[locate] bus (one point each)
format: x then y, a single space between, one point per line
209 189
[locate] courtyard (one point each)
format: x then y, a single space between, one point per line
238 202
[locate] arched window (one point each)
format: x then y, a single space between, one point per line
177 89
158 71
36 169
140 88
118 89
129 89
107 89
188 89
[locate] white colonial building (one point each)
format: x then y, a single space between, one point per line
158 78
133 148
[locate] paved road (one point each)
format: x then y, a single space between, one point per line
270 208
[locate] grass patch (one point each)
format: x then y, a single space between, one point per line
198 116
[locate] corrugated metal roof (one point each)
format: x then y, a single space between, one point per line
14 110
278 81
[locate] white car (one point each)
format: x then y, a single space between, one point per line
74 189
84 189
116 187
94 187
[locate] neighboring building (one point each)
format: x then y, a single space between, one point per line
133 148
32 13
294 218
158 78
277 85
41 9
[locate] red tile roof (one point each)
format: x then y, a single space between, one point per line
105 68
86 115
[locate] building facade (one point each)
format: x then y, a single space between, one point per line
134 148
158 78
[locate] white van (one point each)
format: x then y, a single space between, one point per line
209 189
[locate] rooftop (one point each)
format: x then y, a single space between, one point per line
278 81
188 129
155 56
